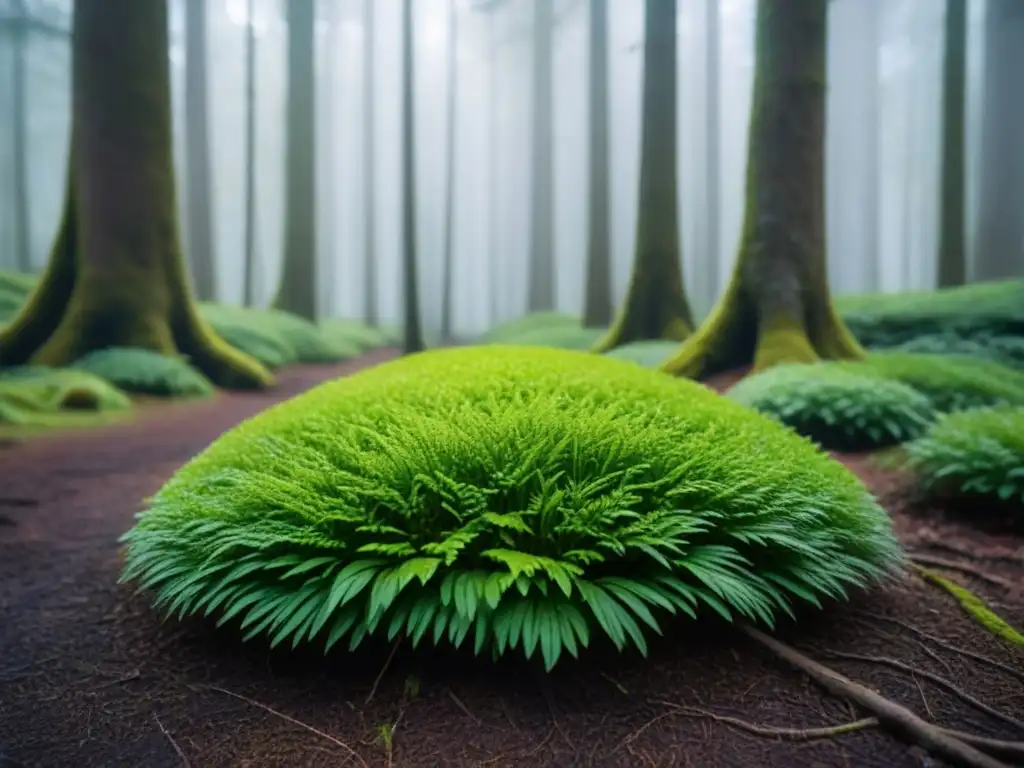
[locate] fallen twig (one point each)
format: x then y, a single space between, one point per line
380 675
174 744
791 734
463 707
333 739
889 713
952 565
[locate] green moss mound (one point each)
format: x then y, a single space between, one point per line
836 408
45 397
358 334
649 354
559 337
145 372
266 346
977 453
303 340
536 321
515 499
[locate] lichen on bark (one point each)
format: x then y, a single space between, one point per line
116 275
777 307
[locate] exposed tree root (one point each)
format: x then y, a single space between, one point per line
952 565
173 743
889 713
975 607
775 732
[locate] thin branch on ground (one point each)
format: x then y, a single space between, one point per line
173 743
458 703
1010 750
952 565
333 739
889 713
937 679
770 731
383 670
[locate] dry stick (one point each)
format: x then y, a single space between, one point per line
937 679
889 713
174 744
380 675
941 562
792 734
333 739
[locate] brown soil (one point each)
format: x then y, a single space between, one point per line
89 676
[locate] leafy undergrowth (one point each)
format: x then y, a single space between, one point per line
340 330
535 321
835 407
144 372
1008 350
573 337
37 396
518 499
649 354
975 453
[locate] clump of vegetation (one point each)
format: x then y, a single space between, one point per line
144 372
650 354
15 288
518 499
835 407
977 453
267 347
535 321
362 336
304 341
574 337
1008 350
51 397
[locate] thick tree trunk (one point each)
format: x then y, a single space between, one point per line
598 310
952 247
297 289
372 313
541 294
250 156
116 276
449 203
19 128
413 335
656 306
777 308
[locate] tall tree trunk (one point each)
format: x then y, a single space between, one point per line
492 167
116 277
250 155
449 204
952 246
713 161
413 335
200 249
999 246
19 128
297 291
598 310
655 305
541 293
372 312
777 308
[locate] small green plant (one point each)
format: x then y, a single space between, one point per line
303 340
510 498
144 372
359 334
649 354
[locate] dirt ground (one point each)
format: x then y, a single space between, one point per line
90 677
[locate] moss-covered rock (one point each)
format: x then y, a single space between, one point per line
144 372
53 397
518 499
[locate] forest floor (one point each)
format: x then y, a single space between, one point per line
90 677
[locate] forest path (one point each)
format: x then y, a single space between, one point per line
90 677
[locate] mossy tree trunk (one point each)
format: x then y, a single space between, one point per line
541 290
597 310
297 289
952 247
413 333
655 305
116 276
777 307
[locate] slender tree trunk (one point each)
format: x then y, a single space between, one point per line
449 205
541 294
250 155
492 168
297 291
656 306
413 336
19 128
777 307
713 163
598 310
372 314
952 247
116 277
197 155
870 268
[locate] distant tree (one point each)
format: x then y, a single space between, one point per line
598 310
200 249
19 130
449 192
371 314
952 214
413 333
249 287
116 276
777 307
297 289
655 305
541 292
713 161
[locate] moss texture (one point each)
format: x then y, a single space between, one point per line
777 307
38 396
116 276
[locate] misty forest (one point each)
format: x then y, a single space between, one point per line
506 382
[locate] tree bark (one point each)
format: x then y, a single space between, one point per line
297 289
249 298
655 305
116 276
952 267
449 204
541 293
372 313
598 310
413 335
777 307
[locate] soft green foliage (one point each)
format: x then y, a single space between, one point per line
266 346
1008 350
15 288
520 498
145 372
837 408
979 452
560 337
303 340
41 396
358 334
511 329
650 354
